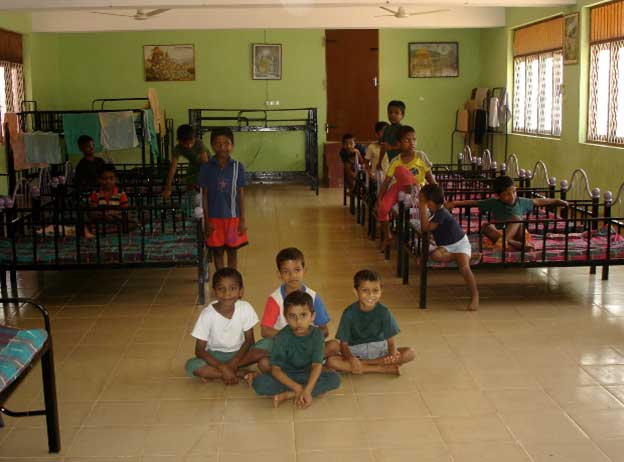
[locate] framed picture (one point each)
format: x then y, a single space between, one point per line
571 39
266 61
169 62
433 59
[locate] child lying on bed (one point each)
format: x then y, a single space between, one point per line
109 202
504 208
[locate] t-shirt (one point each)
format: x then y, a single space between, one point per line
294 353
504 212
348 156
417 166
221 333
274 309
223 185
87 172
391 136
193 155
448 230
373 152
358 326
102 199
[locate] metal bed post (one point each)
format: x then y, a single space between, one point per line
424 255
608 198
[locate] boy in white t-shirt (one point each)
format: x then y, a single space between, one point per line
224 332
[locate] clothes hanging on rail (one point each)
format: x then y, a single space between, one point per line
149 133
118 130
159 117
462 120
17 143
76 125
493 109
42 147
480 126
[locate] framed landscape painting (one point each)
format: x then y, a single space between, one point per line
169 62
266 61
433 59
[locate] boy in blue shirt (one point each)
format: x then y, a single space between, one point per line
222 180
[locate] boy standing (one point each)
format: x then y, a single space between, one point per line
87 171
390 138
374 149
367 332
297 358
222 180
193 150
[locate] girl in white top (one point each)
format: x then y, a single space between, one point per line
224 332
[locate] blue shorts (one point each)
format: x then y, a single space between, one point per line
371 350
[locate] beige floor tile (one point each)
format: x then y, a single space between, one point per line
105 459
601 424
108 442
445 403
381 384
336 455
613 448
442 379
179 440
334 407
251 437
33 442
575 452
521 400
70 415
543 427
588 355
141 389
617 391
488 452
401 433
396 405
557 377
193 388
584 398
119 414
483 428
504 379
258 410
607 375
427 452
269 456
329 435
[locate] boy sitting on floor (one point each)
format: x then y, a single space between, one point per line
507 211
367 332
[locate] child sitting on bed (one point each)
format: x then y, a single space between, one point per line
507 211
352 154
111 203
87 171
451 240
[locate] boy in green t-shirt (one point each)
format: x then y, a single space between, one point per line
367 332
297 357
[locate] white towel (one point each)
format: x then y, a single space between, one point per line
118 130
42 147
493 113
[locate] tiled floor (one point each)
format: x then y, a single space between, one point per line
536 375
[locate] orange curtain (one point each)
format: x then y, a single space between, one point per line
10 46
607 22
542 36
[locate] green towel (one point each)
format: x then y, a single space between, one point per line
153 139
76 125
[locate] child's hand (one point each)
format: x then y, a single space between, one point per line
304 400
242 227
563 203
356 365
449 205
208 229
229 376
166 194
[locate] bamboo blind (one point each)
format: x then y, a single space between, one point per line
607 22
10 46
542 36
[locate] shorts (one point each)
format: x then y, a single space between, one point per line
225 234
461 246
371 350
195 363
265 344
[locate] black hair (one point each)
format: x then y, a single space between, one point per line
290 253
404 130
347 136
185 132
84 139
298 298
107 168
433 193
397 103
381 124
227 273
365 275
221 131
501 183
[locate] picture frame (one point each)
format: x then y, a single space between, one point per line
571 38
169 63
266 61
433 60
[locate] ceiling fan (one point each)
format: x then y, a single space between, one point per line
402 13
140 15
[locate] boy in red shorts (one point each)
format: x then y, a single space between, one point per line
222 180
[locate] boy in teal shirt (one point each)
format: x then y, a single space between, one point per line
297 358
367 332
390 139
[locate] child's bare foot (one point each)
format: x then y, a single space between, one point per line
250 376
473 305
392 369
392 359
281 397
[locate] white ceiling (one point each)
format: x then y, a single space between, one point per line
77 16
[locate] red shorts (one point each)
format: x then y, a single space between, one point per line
225 233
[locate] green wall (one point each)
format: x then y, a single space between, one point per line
604 164
431 103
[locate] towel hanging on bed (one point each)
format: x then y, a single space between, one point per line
42 147
76 125
17 143
117 130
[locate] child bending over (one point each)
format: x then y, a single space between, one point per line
297 358
193 150
224 332
367 332
507 211
451 240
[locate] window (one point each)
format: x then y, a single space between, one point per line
606 75
11 87
538 75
